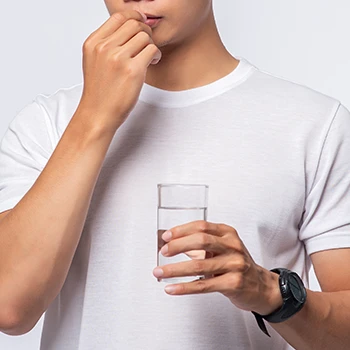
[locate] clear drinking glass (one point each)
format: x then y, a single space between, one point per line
180 204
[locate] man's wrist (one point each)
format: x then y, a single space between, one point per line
272 298
294 295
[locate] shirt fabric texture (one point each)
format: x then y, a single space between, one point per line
275 155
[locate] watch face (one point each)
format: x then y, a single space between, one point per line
297 288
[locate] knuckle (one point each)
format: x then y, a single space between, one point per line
145 28
182 289
205 240
153 47
119 17
203 225
170 272
235 245
100 47
88 44
229 230
116 60
198 267
132 71
235 282
143 36
239 264
115 57
202 286
230 265
234 231
239 247
243 265
223 227
134 25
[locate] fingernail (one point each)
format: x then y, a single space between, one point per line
170 289
158 272
167 236
164 250
155 61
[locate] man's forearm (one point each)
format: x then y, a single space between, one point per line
39 236
323 323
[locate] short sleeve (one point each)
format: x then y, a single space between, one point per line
24 152
326 219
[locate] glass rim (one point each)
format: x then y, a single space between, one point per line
182 185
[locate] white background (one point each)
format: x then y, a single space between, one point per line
302 41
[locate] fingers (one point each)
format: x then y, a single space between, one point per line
217 265
127 31
196 241
191 268
133 37
139 42
126 35
149 55
136 39
197 254
114 22
225 284
200 226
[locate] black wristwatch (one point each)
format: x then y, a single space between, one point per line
294 297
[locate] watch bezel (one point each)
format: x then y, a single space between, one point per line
301 286
291 304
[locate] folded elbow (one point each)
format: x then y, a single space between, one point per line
11 323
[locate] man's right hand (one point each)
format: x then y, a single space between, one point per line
115 61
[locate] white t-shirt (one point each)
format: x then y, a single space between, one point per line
276 157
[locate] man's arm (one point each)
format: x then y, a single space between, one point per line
39 236
324 321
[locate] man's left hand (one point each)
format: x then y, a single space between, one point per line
228 267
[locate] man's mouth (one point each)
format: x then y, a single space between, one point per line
152 20
149 16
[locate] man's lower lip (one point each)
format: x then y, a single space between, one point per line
153 21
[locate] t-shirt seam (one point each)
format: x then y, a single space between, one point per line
48 95
31 159
336 108
9 203
295 82
232 86
46 117
321 239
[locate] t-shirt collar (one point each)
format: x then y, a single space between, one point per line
177 99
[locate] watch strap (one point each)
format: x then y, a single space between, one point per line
289 307
261 323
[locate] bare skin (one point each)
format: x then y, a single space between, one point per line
189 40
48 220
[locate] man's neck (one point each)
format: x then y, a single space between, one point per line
195 63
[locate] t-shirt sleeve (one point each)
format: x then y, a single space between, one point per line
326 218
24 152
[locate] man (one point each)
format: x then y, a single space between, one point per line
163 101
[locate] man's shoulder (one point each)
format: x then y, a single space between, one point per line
61 105
288 93
65 96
